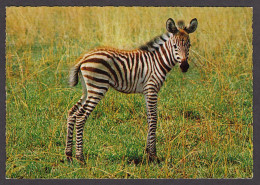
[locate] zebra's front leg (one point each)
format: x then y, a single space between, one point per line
151 106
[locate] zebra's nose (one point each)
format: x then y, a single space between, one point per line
184 65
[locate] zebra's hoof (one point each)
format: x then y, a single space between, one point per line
69 156
81 159
69 159
153 159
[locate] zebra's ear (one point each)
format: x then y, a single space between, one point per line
192 26
170 26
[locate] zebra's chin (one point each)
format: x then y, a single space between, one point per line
184 70
184 67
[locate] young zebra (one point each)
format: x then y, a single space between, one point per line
139 71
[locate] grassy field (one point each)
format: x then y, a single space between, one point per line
205 116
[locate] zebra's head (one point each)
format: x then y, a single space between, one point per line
180 42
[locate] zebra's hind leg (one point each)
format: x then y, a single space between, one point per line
70 126
94 96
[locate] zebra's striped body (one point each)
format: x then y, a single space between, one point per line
139 71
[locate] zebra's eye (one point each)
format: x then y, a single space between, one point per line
174 45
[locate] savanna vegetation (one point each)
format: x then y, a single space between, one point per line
204 116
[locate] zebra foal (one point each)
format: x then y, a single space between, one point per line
138 71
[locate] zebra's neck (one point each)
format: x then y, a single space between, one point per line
160 49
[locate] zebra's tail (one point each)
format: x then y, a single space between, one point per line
74 73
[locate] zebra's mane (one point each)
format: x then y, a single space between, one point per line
155 43
181 24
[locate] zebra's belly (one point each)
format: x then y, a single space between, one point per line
138 88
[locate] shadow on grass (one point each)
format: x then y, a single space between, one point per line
191 114
136 159
131 159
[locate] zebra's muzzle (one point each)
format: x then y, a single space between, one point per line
184 66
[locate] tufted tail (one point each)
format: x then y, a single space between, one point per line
74 73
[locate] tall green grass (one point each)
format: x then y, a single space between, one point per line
204 116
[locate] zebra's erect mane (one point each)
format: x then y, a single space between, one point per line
181 24
155 43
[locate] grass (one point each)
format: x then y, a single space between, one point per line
204 117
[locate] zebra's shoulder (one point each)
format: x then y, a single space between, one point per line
155 43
